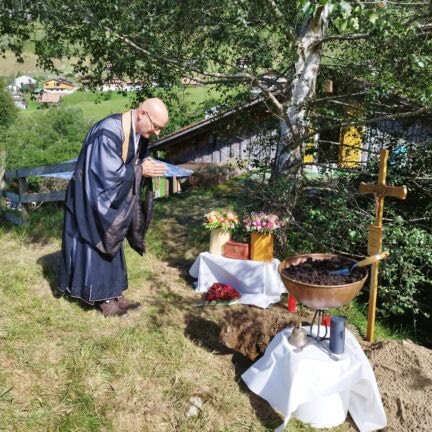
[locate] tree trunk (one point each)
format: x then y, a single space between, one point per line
290 150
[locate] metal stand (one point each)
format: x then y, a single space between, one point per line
317 319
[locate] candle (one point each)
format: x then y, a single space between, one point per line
337 334
326 320
292 304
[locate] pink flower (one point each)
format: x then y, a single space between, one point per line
262 222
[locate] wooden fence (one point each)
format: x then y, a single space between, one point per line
14 189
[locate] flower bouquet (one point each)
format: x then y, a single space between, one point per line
263 223
220 223
226 220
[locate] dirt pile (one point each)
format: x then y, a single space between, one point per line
404 376
403 369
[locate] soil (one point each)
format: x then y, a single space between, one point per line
402 369
404 377
318 272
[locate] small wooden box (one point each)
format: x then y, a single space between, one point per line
236 250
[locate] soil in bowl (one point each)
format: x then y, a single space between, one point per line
318 272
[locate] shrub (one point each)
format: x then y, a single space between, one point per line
327 214
45 137
8 111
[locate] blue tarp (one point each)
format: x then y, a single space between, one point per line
173 171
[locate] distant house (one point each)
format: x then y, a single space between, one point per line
21 103
115 84
24 81
49 99
58 85
14 89
85 81
17 96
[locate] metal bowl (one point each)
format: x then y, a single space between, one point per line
319 296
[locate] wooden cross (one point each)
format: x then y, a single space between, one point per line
380 191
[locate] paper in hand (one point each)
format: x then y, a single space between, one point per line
175 171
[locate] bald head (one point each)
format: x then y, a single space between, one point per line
150 117
155 106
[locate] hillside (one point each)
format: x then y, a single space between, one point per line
11 68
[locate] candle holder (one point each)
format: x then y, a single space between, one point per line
317 320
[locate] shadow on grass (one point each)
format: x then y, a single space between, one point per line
177 224
205 333
50 270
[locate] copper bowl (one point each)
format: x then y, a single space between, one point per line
319 296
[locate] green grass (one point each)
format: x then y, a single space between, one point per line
97 105
66 368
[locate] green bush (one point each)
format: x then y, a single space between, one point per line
8 111
327 214
45 137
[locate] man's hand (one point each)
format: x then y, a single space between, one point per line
152 168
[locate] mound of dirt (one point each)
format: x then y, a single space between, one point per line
403 369
404 376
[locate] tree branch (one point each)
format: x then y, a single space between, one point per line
274 8
350 36
333 98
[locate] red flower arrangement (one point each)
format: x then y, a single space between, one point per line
220 291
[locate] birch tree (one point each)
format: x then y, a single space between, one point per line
280 49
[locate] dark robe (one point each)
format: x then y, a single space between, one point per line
102 207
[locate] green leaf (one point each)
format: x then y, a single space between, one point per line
346 8
306 6
373 17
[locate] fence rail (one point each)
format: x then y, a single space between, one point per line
14 187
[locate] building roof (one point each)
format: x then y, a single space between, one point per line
62 80
29 79
195 128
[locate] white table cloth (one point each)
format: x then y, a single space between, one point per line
314 387
257 282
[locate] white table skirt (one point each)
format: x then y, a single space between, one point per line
257 282
311 386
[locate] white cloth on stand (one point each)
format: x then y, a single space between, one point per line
257 282
314 387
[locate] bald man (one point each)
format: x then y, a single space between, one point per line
103 206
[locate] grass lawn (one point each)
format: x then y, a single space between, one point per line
97 105
66 368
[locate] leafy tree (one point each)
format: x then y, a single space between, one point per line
376 48
8 110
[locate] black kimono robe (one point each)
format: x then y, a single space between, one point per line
102 204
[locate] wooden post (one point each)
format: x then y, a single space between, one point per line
23 190
168 181
380 191
156 187
176 184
